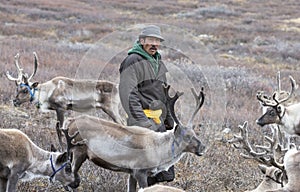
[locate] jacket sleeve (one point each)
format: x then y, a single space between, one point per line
128 91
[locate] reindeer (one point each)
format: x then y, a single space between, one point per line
269 157
21 159
287 116
61 94
291 164
160 188
131 149
279 94
271 179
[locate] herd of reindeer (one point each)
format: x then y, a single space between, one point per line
135 150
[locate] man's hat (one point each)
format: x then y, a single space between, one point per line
151 31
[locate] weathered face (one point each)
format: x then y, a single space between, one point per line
188 135
272 115
150 44
24 94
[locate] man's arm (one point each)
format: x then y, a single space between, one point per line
129 93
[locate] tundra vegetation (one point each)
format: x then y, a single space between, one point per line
245 43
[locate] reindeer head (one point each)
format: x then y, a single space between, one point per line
185 134
25 89
276 109
61 167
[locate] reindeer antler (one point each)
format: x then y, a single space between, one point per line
276 97
267 155
21 75
294 86
265 100
199 102
69 139
36 63
20 71
171 102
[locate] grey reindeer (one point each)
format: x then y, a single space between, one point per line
61 94
131 149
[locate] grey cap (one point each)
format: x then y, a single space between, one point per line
151 31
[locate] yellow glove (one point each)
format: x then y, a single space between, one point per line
153 114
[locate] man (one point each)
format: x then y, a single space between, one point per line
142 77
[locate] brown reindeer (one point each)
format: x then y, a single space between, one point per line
21 159
62 93
131 149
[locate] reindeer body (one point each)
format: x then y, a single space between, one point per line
134 150
269 180
20 158
291 164
130 149
62 93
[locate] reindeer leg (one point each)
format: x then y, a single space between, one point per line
131 186
3 183
12 183
79 158
60 118
139 176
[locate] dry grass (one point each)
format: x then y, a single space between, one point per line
245 43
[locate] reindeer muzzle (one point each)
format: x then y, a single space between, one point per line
16 102
200 150
259 122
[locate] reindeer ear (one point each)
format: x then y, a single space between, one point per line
53 148
263 168
62 158
35 84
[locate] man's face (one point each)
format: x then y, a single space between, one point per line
150 44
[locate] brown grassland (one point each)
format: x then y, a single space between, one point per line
233 48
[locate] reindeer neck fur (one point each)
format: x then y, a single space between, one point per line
42 93
129 147
291 164
291 119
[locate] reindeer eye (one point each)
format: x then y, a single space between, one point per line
25 91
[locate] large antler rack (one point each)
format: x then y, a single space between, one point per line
171 103
22 77
263 154
278 96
